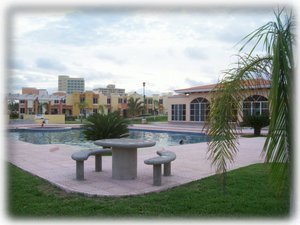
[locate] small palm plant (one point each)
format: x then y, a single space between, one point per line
101 126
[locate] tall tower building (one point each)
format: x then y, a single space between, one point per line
70 85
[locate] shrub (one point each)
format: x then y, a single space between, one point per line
100 126
257 122
70 118
14 115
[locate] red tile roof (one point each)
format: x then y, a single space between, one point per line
255 83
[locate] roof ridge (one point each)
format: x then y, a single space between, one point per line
209 87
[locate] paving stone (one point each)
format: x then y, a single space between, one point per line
192 163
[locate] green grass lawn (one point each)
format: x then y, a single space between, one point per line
249 195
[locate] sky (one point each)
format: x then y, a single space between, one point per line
166 48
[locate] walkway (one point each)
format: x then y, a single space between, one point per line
53 163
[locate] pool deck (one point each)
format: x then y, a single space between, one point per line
54 164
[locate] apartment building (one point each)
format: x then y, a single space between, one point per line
110 89
35 101
70 85
85 103
42 103
155 104
33 91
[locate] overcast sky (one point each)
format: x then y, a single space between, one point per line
167 49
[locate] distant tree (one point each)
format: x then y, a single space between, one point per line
13 109
13 106
135 106
81 106
156 105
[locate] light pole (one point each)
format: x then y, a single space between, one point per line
144 84
144 108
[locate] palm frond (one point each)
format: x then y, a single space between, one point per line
227 98
278 146
135 106
278 65
100 126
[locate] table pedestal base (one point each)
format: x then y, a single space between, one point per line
124 163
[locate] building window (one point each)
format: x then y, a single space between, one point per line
82 99
255 105
56 101
161 101
95 100
178 112
199 109
22 101
54 111
120 100
150 101
95 111
22 110
108 101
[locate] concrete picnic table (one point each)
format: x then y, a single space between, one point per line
124 155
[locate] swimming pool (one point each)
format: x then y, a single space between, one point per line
76 137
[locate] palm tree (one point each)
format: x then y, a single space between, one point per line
101 126
135 106
81 106
278 66
12 105
156 104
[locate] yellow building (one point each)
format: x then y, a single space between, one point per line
116 102
91 102
38 102
156 103
192 104
85 103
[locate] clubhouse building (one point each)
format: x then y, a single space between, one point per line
192 105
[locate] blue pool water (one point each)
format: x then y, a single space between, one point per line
76 137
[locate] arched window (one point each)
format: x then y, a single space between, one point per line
199 109
255 105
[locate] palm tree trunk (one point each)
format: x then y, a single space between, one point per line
257 131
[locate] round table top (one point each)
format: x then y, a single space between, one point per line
125 143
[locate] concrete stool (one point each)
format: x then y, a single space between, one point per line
83 155
165 158
167 166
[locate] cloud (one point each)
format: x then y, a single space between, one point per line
82 27
195 53
233 32
127 47
50 64
19 79
16 64
110 58
193 83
